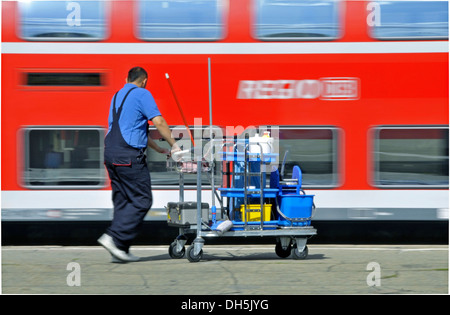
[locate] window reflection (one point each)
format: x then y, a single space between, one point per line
62 20
62 157
411 156
314 150
297 19
180 19
411 20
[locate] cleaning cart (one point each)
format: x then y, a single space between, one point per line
249 204
255 202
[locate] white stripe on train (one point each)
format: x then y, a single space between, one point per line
226 48
331 204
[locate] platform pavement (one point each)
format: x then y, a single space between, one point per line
228 270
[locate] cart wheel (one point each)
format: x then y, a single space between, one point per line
173 251
282 253
296 254
194 258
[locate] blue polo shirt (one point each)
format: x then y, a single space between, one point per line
139 107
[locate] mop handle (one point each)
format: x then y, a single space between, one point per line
179 108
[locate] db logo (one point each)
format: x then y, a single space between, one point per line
340 88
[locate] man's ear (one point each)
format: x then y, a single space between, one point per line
144 83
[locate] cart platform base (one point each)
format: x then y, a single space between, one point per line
290 241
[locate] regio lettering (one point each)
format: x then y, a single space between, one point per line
324 88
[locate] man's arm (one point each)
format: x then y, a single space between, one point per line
152 144
161 124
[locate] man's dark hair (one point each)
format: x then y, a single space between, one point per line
136 73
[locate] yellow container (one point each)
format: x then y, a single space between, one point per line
256 215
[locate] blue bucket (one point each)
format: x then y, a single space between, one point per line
295 207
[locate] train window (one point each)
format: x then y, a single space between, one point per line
62 79
411 156
313 149
62 20
410 20
172 20
63 157
296 20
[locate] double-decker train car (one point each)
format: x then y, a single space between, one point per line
355 91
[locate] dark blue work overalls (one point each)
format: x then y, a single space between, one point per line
130 183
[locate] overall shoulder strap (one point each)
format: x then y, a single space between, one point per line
114 107
121 105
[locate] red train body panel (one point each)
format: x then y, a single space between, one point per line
394 86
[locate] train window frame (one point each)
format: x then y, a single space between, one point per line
222 12
374 164
375 27
73 19
335 160
339 9
99 168
22 73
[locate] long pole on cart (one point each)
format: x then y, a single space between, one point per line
213 202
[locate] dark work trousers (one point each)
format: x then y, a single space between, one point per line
130 183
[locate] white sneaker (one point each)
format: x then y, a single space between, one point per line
107 242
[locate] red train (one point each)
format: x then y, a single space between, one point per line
358 92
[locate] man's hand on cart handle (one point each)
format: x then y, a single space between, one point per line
174 151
